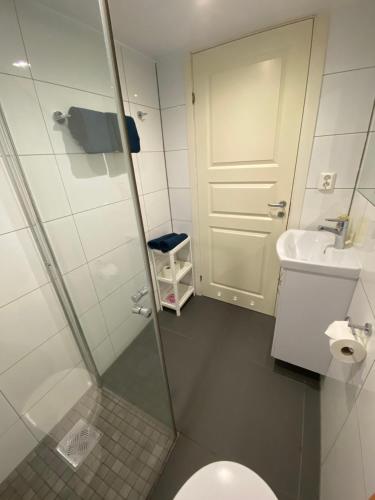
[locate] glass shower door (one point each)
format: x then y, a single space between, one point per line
82 189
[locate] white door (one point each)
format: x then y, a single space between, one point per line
249 97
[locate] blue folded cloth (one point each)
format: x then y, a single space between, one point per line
167 242
99 132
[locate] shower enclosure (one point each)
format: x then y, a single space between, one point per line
81 357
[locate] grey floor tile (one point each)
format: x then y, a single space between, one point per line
234 400
137 376
253 417
186 458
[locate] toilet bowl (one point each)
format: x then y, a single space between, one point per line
225 481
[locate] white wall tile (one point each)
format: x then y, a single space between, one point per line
158 231
343 382
178 169
10 37
93 325
115 268
140 74
174 128
48 412
21 267
357 211
336 402
121 71
366 412
342 474
182 226
171 78
367 177
63 50
11 215
26 382
15 444
104 356
366 252
56 98
124 335
149 129
105 228
81 289
136 172
28 322
346 102
336 153
117 306
94 180
152 172
318 206
64 239
351 37
46 186
143 213
23 115
8 416
180 204
157 208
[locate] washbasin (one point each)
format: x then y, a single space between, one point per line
313 252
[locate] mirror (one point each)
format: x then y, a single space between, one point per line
366 180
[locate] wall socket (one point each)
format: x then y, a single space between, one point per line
327 181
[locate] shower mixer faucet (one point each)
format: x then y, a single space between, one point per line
139 294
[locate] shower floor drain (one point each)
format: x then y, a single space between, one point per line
78 443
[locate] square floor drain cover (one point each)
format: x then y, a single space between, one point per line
78 443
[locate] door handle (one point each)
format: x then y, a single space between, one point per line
280 204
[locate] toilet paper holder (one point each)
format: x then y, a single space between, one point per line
366 328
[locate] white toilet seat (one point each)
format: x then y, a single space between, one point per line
225 481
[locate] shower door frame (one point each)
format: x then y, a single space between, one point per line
109 41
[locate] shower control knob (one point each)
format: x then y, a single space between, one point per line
143 311
139 294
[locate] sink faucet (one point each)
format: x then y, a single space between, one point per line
340 231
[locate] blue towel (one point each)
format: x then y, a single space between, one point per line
167 242
98 132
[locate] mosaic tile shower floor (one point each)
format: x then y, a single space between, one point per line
125 464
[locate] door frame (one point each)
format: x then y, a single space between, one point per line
310 114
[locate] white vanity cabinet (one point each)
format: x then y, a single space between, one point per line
307 303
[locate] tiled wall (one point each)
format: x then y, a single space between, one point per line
347 96
347 397
348 391
85 204
172 88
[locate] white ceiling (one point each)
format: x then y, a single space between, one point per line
157 27
161 26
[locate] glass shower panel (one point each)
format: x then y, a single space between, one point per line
85 200
54 70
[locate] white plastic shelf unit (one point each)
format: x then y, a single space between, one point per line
173 293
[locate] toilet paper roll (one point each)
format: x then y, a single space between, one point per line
348 350
167 271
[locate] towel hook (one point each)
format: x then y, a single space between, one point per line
142 115
60 117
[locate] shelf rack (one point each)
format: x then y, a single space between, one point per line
171 285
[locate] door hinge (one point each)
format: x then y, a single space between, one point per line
193 97
200 278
